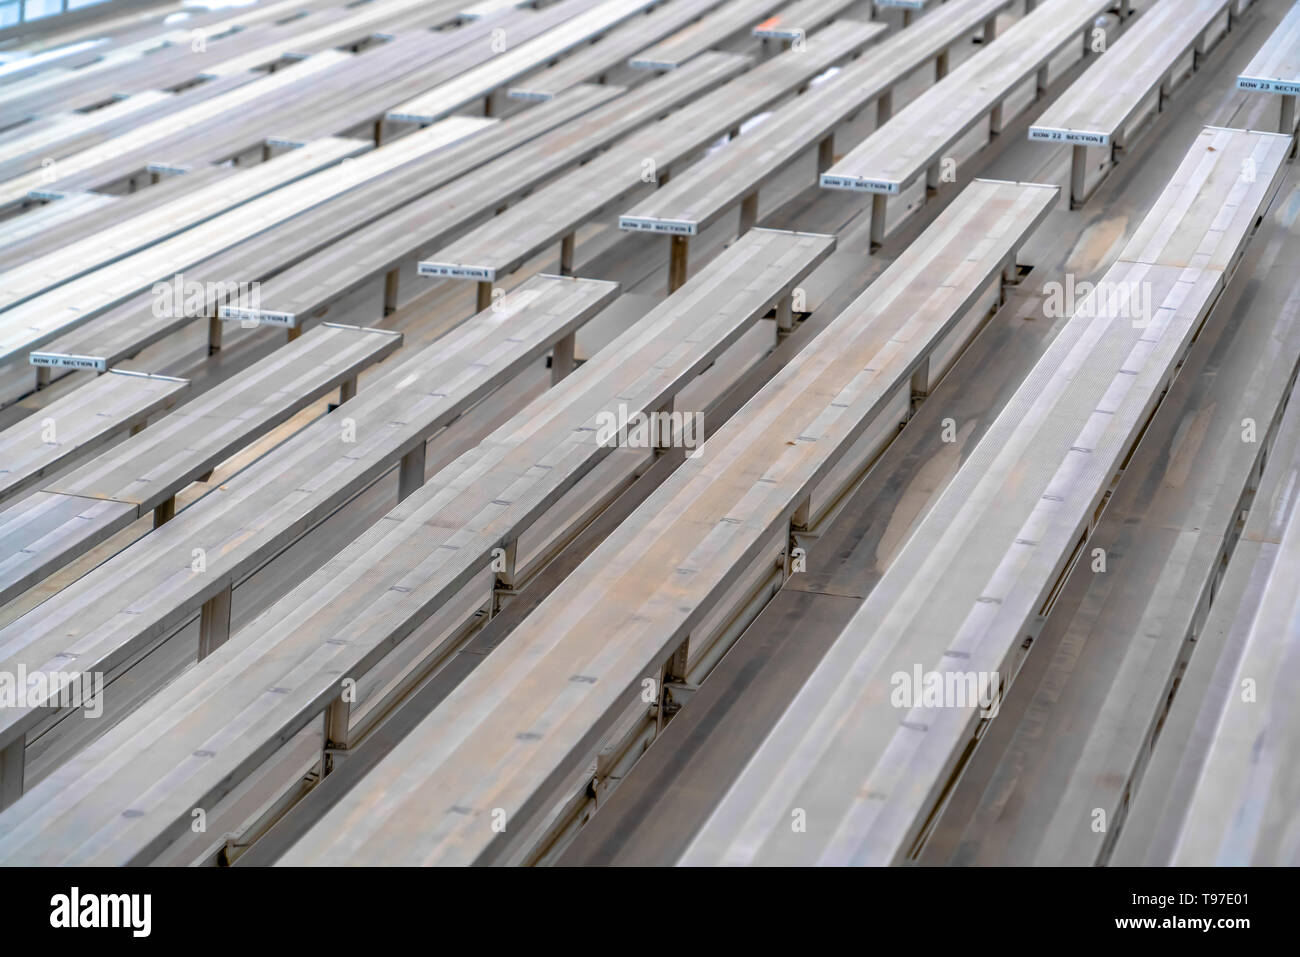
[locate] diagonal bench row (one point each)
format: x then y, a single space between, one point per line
913 143
554 214
1069 750
347 91
425 569
519 740
80 422
310 287
483 81
963 599
36 184
26 327
1216 790
1105 105
1242 808
125 235
191 564
43 531
1275 68
708 32
612 50
236 274
737 172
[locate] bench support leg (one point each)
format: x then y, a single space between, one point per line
337 717
11 772
410 474
884 108
878 203
567 245
679 248
941 66
214 622
1078 176
1042 82
391 279
801 519
1287 124
506 585
562 358
379 131
483 297
748 212
933 177
665 445
921 383
784 316
907 17
995 121
826 153
1009 279
164 512
672 673
1011 272
214 335
137 428
990 29
507 578
347 390
42 377
294 333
